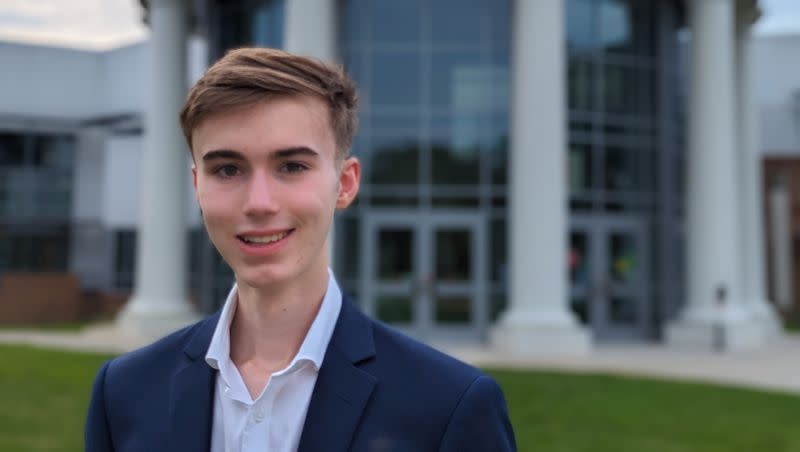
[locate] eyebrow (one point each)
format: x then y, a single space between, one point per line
291 152
227 154
219 154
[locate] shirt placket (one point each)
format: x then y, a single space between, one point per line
258 429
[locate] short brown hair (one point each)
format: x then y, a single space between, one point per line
246 76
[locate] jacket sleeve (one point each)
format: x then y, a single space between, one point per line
480 421
97 437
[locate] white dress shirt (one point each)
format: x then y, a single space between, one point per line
274 420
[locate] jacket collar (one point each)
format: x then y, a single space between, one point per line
191 404
342 389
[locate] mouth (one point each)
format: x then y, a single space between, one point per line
265 239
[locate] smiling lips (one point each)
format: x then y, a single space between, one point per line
263 239
260 243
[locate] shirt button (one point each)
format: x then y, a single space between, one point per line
259 416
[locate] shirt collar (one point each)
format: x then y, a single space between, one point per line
314 344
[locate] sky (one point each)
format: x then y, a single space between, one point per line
104 24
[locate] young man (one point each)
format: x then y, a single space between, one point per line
289 363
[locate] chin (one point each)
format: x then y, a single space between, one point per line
259 278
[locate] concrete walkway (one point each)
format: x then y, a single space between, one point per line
776 366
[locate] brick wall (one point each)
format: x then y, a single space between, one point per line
786 169
31 298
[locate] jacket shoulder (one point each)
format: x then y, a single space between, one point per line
165 351
419 368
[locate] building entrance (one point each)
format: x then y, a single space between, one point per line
426 273
608 261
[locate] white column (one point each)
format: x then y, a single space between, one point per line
538 319
751 212
309 29
713 247
159 302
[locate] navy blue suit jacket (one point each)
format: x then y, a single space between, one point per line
377 390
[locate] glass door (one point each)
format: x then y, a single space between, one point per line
458 288
609 280
423 274
390 279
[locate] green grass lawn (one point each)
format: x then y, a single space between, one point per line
45 327
580 413
43 395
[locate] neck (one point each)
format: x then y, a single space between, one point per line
270 323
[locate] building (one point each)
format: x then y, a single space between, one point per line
777 94
538 174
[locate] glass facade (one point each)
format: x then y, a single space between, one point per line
434 113
35 200
625 145
245 23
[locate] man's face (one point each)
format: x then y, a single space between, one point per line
268 181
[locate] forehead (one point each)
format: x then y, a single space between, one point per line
268 125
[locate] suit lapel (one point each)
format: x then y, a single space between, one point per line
342 390
191 404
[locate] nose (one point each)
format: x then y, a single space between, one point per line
260 198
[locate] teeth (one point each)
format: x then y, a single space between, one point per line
266 238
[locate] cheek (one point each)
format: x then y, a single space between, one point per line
216 208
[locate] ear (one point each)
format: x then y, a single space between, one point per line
349 182
194 182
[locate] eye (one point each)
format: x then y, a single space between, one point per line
226 171
293 167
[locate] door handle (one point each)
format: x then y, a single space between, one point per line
422 285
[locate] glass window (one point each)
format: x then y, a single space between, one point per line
458 22
630 169
404 196
580 168
453 310
499 17
498 267
45 251
348 246
627 26
256 23
394 22
499 161
580 25
461 81
395 254
453 254
267 24
623 257
580 83
578 258
12 149
395 79
53 151
35 176
455 151
351 26
616 27
620 169
395 159
124 258
628 90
